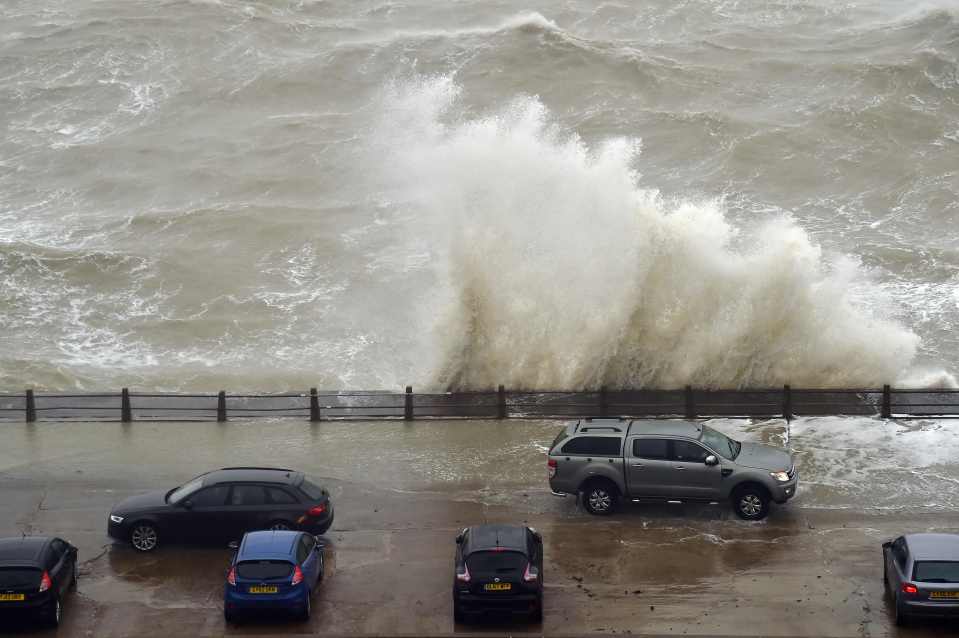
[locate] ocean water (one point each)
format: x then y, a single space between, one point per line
197 195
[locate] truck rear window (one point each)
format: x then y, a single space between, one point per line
595 446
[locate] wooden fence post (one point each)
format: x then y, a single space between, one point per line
221 406
501 402
787 402
31 407
886 402
408 405
690 404
314 406
603 401
126 410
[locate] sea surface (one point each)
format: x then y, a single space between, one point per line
197 195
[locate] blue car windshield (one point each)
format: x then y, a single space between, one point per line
718 441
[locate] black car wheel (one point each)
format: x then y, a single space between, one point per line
55 613
280 526
900 615
600 498
537 615
144 537
458 615
73 578
751 503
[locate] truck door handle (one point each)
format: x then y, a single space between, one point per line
680 467
637 465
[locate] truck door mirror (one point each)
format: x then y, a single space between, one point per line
712 460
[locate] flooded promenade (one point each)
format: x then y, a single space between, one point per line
403 490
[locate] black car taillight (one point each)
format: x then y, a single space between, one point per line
319 510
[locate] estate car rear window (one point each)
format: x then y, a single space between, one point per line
496 562
935 571
310 489
595 445
264 569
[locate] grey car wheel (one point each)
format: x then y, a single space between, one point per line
144 537
600 498
751 503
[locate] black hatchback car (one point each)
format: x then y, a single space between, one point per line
499 570
35 574
223 505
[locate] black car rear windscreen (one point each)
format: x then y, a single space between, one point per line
19 577
934 571
264 569
496 563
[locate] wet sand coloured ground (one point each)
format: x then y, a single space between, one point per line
402 491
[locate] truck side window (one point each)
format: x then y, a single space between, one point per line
689 452
594 446
656 449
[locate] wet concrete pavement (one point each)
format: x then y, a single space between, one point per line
401 493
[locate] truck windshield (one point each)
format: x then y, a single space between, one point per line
718 441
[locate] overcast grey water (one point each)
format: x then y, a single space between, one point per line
365 194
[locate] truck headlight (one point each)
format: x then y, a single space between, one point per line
782 477
116 519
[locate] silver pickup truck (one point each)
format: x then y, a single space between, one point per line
607 460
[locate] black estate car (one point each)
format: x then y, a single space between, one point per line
222 505
35 573
499 569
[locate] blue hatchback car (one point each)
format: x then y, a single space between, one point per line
273 571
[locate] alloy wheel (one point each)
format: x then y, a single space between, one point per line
750 504
144 538
600 500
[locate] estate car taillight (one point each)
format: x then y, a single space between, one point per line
297 576
552 467
909 588
317 511
531 573
231 576
463 576
45 582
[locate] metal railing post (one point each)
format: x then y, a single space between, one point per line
31 407
314 406
690 404
408 405
603 401
886 402
787 402
501 402
126 410
221 406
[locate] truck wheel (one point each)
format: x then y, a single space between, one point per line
751 502
600 498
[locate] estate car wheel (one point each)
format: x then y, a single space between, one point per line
280 526
144 537
751 503
600 498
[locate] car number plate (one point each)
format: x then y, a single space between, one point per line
12 597
944 594
264 589
498 586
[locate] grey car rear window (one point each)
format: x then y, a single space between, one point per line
936 571
595 445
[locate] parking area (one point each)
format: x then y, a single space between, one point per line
402 491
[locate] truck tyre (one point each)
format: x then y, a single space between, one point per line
600 497
751 502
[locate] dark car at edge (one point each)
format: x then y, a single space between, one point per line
222 505
498 570
35 574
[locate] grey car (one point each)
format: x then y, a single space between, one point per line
921 575
607 460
